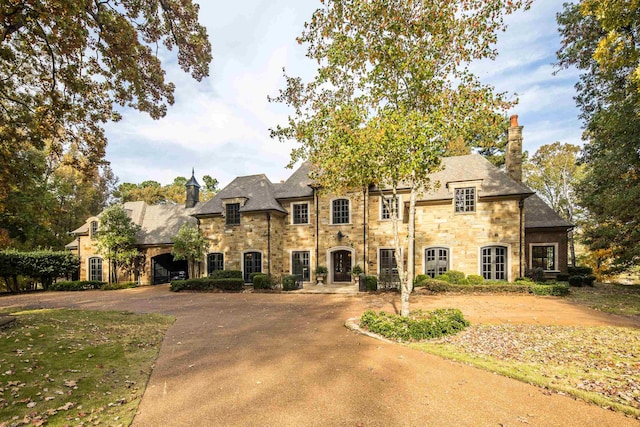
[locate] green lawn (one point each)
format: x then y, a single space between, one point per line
610 298
72 367
598 364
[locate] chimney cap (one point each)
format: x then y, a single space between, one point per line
514 120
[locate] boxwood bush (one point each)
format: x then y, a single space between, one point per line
576 280
475 279
580 271
553 289
231 284
76 285
371 283
290 282
419 325
116 286
261 281
226 274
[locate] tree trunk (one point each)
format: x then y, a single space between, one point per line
572 248
407 285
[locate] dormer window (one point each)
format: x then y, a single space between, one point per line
232 213
93 229
465 199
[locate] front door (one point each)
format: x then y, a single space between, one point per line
252 264
342 266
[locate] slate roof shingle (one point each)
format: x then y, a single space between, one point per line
540 215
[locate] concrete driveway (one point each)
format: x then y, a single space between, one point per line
287 360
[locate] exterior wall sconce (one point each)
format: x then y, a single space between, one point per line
340 235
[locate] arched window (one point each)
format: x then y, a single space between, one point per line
95 269
494 262
215 262
436 261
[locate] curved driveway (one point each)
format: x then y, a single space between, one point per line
287 360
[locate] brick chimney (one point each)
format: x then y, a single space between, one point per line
513 154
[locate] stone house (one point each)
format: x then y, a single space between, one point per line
479 220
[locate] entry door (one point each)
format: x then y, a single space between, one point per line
342 266
252 264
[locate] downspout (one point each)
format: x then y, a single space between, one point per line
269 243
315 193
364 230
521 206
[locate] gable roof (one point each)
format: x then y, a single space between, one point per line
158 223
537 214
257 190
298 185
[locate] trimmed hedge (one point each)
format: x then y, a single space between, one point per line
45 266
552 289
371 283
419 325
580 271
562 277
232 284
589 280
475 279
116 286
576 280
290 282
226 274
261 281
77 285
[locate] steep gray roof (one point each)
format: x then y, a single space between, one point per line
258 191
537 214
298 185
158 223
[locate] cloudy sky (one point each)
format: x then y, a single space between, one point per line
220 125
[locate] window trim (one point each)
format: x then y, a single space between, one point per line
348 211
475 200
310 263
380 249
293 213
227 216
555 254
209 271
89 272
508 261
382 206
449 256
93 231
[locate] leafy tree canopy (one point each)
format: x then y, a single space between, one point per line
66 67
116 238
602 40
155 193
190 245
392 91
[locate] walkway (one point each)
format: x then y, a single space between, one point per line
255 359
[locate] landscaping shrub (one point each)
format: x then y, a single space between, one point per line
589 280
475 279
233 284
536 274
419 325
580 271
77 285
562 277
435 285
290 282
553 289
226 274
576 280
371 283
524 279
261 281
452 276
419 279
45 266
116 286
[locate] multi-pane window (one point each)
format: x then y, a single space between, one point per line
465 199
340 210
301 213
252 264
543 257
494 263
300 263
390 205
233 213
436 261
215 262
95 269
93 232
388 263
